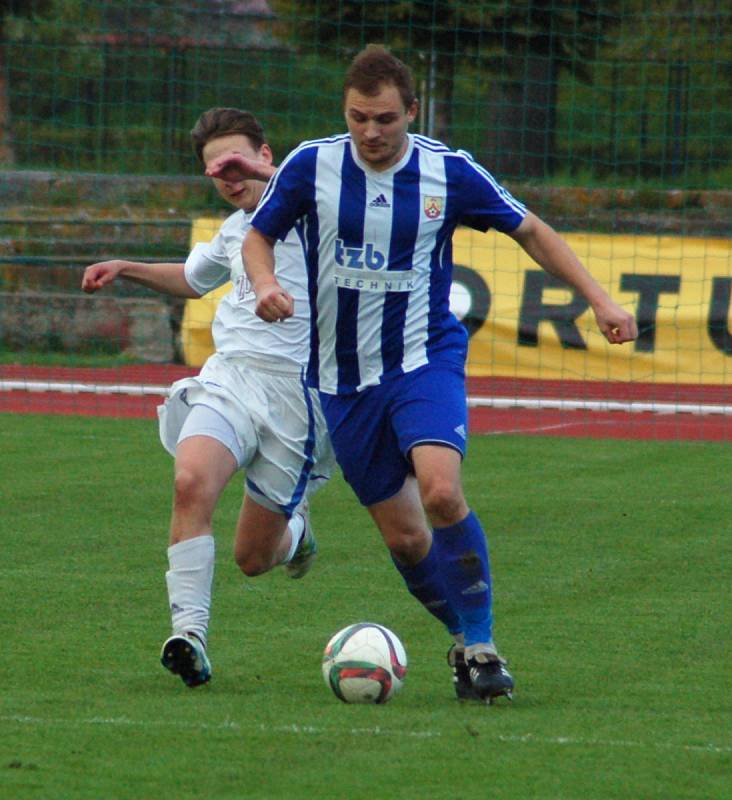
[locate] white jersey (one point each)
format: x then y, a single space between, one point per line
236 329
379 252
254 381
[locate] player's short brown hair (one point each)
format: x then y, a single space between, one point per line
375 67
217 122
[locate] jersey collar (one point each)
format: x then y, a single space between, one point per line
393 168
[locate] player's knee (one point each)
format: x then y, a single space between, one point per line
189 488
443 501
251 563
407 552
408 545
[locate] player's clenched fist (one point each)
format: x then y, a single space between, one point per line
98 275
617 324
274 303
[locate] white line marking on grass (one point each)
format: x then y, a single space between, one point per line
227 724
294 728
529 738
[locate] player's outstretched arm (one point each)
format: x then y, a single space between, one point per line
164 278
235 167
554 255
273 302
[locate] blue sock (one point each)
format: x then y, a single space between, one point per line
424 582
463 553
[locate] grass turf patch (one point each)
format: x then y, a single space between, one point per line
610 562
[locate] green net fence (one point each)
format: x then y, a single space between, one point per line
612 92
611 120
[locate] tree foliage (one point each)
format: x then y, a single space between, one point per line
665 30
466 29
10 9
604 85
522 44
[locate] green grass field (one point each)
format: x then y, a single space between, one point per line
611 566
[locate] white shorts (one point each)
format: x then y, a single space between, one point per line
280 433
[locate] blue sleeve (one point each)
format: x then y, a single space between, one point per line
483 202
288 196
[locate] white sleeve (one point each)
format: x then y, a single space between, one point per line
207 266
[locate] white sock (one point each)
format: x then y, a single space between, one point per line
295 528
189 582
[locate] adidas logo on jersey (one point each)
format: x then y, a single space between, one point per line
460 430
380 202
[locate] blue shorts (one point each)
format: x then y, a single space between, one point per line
373 431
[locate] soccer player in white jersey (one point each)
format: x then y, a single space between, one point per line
248 408
377 208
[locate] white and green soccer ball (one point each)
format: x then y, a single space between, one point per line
364 663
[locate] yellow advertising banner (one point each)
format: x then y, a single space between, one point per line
524 324
195 331
678 288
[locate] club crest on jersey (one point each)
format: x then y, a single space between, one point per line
433 206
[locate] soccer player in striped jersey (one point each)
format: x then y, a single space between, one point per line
377 208
248 408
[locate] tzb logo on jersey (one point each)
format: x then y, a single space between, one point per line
362 269
367 257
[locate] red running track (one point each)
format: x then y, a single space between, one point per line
487 420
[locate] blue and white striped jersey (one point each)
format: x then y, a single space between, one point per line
379 252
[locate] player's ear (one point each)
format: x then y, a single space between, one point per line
413 110
265 151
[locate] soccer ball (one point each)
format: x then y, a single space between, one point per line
364 663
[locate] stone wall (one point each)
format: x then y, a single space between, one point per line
682 211
136 193
78 323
